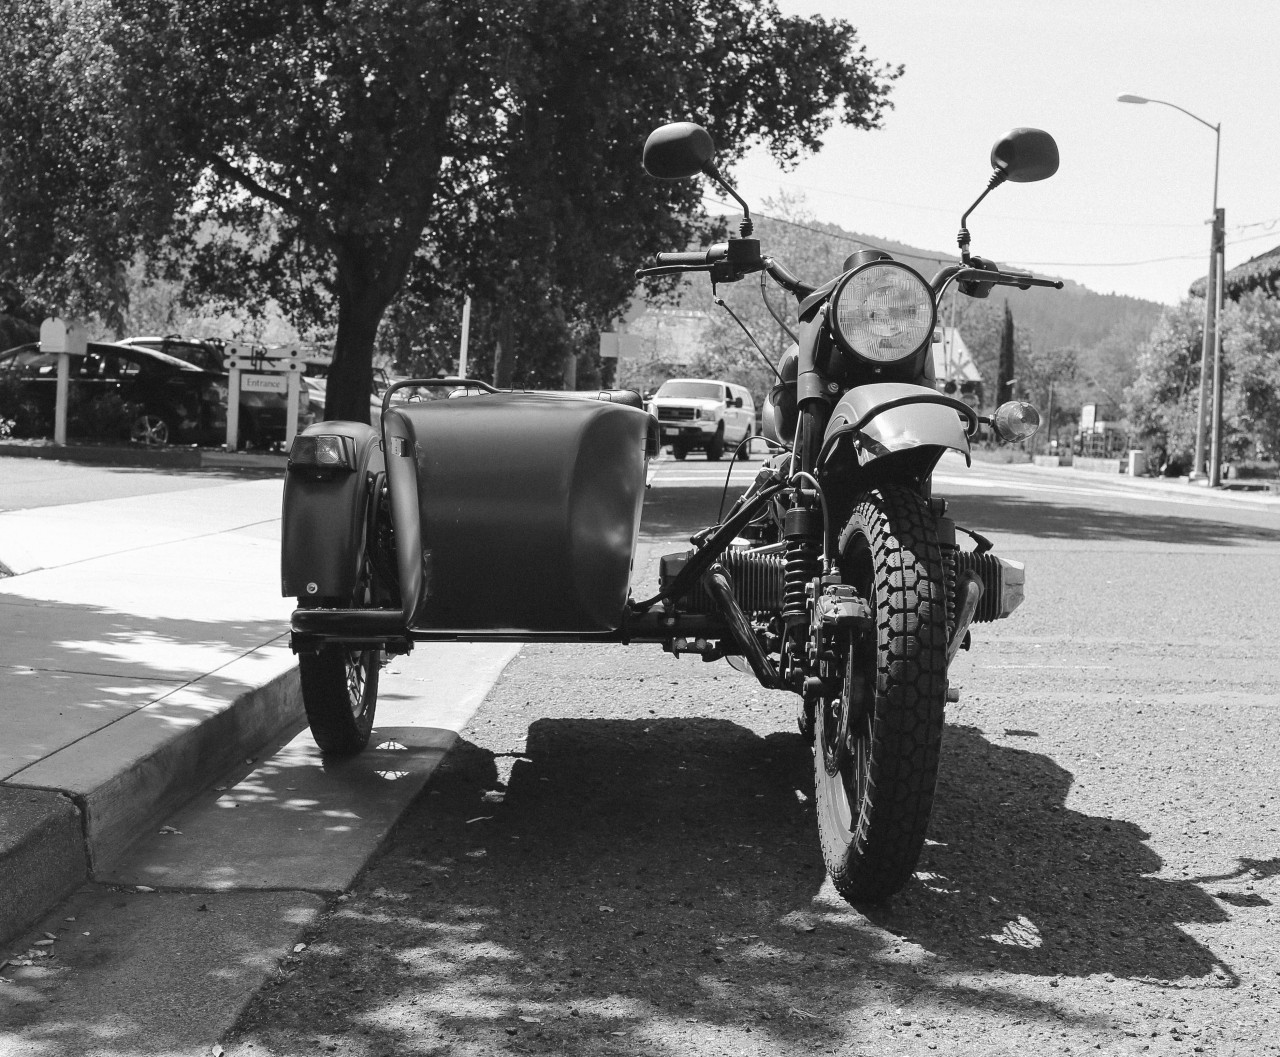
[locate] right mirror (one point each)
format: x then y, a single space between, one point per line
1025 155
676 151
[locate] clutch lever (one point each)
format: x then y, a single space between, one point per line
671 269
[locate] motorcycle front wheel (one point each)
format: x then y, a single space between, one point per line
877 744
340 693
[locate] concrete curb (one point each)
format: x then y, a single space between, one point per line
158 458
53 840
42 855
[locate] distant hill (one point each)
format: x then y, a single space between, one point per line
1107 330
1074 316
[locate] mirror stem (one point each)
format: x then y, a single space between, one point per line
997 178
745 228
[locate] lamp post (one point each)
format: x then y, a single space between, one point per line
1211 350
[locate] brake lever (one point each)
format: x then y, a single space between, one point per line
671 269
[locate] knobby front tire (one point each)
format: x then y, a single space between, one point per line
873 813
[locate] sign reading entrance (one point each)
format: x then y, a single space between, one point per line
258 369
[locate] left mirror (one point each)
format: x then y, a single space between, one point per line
1025 155
676 151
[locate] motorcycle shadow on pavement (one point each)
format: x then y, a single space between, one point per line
660 879
1011 879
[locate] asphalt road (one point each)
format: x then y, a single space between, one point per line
621 856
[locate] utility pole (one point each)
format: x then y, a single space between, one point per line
466 337
1212 301
1214 290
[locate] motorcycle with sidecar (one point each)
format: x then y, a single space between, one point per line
836 575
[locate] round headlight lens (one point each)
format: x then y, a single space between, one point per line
883 312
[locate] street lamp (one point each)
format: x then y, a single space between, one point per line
1212 346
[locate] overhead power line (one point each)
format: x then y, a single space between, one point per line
943 258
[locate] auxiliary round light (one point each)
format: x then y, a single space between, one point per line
883 312
1016 420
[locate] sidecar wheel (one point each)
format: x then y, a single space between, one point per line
876 751
340 693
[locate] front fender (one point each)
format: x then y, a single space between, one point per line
890 417
322 528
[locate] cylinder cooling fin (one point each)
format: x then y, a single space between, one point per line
1002 584
758 580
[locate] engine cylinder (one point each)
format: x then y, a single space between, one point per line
989 569
758 581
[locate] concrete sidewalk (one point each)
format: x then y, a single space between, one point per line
143 652
1230 493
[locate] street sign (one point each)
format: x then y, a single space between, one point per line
258 369
284 359
264 383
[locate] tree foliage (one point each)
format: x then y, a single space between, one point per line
1163 399
1251 366
339 156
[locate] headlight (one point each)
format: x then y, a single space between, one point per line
883 312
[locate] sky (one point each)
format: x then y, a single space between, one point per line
1128 210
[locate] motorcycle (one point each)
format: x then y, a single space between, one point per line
837 575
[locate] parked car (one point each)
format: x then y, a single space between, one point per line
262 415
116 390
699 414
317 382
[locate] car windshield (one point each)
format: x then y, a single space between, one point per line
172 361
692 390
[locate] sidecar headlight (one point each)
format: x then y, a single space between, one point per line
883 312
321 452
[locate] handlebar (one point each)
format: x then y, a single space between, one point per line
727 262
1024 280
964 274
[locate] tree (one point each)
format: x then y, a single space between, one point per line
1251 364
810 250
1006 370
1163 399
61 236
347 146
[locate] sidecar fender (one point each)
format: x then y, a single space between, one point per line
322 528
886 418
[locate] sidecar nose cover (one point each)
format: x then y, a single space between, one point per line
529 507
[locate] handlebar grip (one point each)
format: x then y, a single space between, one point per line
1025 279
702 257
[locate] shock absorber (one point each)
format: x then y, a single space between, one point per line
802 528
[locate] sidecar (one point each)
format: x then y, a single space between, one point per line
504 516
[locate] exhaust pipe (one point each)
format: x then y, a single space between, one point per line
970 591
718 584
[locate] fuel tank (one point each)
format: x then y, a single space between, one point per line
529 508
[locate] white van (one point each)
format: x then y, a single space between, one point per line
699 414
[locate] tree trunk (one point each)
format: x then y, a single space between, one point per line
504 353
1006 375
350 380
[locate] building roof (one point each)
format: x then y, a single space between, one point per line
1258 273
952 360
